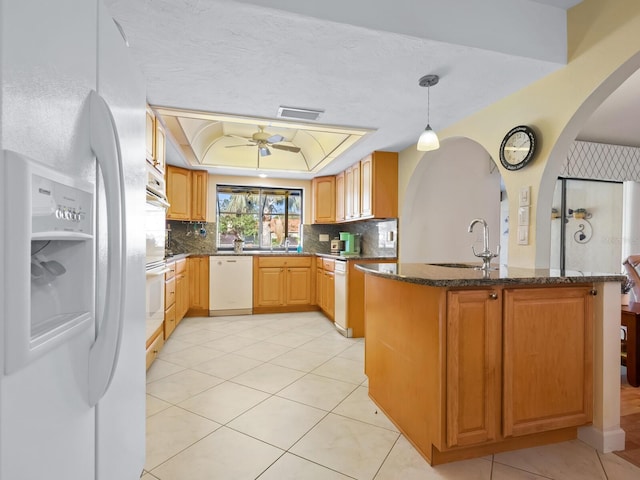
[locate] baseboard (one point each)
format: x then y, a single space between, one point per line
235 311
603 441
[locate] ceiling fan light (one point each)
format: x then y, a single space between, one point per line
428 140
264 152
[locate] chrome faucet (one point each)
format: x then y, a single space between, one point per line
486 254
286 244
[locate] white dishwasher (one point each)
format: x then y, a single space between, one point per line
230 285
341 285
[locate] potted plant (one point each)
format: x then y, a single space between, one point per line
625 288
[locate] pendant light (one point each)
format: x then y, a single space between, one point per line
428 140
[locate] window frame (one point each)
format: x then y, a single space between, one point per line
262 193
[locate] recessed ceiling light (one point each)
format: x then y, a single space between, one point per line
299 113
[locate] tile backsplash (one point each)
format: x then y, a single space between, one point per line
378 237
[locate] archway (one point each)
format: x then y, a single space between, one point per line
450 187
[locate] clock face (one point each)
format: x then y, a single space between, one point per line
517 148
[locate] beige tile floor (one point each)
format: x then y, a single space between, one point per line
277 397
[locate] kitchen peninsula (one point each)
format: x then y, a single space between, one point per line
468 363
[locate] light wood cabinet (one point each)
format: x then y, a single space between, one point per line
348 194
170 300
198 268
340 191
282 284
326 292
548 359
352 197
379 185
155 141
150 135
498 368
154 345
182 290
179 193
187 194
473 366
324 199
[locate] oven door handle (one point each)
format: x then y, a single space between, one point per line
105 351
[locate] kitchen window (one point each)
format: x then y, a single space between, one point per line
264 217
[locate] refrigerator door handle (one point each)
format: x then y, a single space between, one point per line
104 353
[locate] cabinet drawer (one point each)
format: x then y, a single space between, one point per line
169 320
169 293
154 349
181 266
328 264
284 262
172 271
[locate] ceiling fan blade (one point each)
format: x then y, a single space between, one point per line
275 138
245 145
264 151
286 148
238 136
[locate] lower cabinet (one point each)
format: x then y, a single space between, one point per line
154 345
170 300
471 371
325 276
182 290
282 283
198 268
519 362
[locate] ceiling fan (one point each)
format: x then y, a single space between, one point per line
263 141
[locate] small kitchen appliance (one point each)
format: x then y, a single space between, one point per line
351 243
337 246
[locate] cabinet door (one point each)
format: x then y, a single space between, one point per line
182 295
169 292
329 294
179 193
355 191
169 321
150 136
473 366
198 283
160 143
348 193
199 195
324 199
548 359
270 286
366 187
320 287
340 197
298 286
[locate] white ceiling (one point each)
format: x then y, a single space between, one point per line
359 61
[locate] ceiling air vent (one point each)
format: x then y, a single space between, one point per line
299 113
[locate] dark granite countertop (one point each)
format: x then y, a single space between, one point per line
460 275
354 257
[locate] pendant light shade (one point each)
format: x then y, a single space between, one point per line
428 140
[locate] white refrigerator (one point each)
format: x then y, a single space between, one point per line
72 314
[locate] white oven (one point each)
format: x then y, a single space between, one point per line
155 298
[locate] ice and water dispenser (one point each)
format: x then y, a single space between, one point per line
49 231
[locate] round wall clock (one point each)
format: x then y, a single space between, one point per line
518 147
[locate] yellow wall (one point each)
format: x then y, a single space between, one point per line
603 46
256 181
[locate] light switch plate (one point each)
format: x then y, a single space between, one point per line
523 235
523 216
524 199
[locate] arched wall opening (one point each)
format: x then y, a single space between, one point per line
448 189
558 154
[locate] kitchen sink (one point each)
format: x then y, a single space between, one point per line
461 265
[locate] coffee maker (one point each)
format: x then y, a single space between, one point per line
351 243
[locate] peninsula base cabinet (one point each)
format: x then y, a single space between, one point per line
501 368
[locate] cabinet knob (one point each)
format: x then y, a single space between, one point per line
493 296
593 292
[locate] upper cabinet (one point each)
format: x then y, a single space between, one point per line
324 199
187 194
379 185
367 189
155 141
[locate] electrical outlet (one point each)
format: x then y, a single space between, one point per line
523 235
